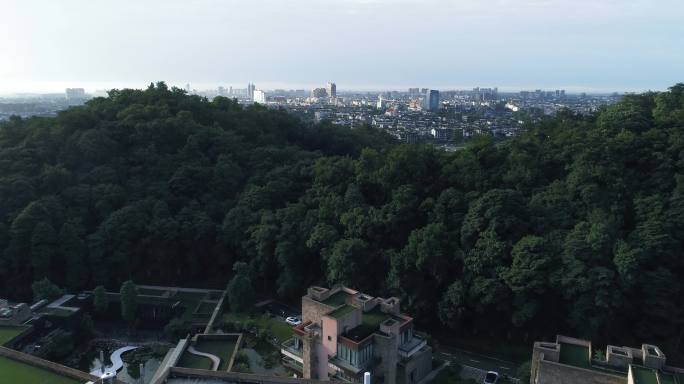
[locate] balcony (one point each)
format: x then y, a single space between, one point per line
340 364
289 349
292 364
412 346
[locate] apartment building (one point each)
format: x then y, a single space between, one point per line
571 361
345 333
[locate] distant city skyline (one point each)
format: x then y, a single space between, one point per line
93 87
580 45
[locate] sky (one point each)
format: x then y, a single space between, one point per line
578 45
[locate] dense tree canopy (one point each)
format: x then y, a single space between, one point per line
575 225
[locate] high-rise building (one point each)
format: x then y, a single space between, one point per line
414 91
331 89
250 91
431 101
259 96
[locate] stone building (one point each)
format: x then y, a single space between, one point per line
571 361
345 333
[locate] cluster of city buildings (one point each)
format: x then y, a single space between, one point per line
417 115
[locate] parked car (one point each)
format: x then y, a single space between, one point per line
491 377
293 320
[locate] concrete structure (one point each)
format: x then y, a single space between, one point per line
570 361
345 333
13 314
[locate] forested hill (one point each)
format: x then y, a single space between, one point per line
575 225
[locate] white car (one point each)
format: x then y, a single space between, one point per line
491 377
293 320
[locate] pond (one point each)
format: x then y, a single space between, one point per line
147 357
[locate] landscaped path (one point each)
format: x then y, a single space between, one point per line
117 363
215 361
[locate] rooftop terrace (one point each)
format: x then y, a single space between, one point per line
336 299
575 355
644 375
341 311
370 323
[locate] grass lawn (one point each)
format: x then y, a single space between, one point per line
188 360
189 300
223 349
336 299
15 372
9 332
279 328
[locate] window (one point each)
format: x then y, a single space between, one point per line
329 338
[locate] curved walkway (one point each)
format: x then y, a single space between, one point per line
117 363
215 361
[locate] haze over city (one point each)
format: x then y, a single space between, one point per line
593 46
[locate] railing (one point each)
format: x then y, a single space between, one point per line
414 345
289 345
292 364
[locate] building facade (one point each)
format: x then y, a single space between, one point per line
331 89
431 101
571 361
345 333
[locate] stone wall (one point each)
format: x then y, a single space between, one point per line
313 310
239 377
554 373
47 365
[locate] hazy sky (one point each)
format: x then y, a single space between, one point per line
361 44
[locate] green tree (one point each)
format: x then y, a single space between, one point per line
44 289
129 302
100 300
240 290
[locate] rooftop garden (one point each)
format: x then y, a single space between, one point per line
336 299
575 355
666 378
370 323
7 333
12 371
644 375
341 311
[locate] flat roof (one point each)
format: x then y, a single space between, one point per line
17 372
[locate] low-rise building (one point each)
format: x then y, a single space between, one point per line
345 333
13 314
570 361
